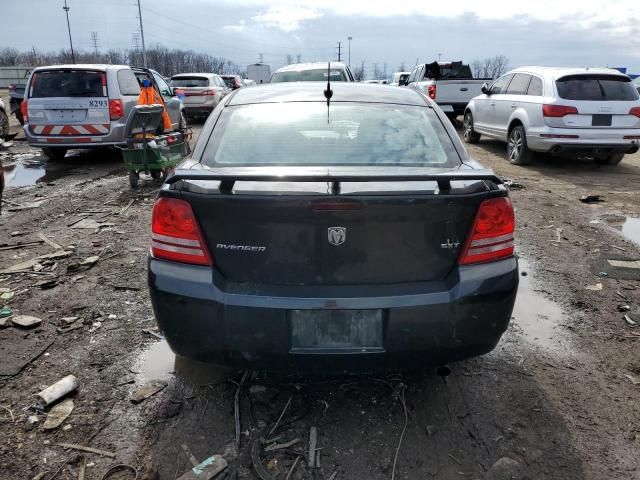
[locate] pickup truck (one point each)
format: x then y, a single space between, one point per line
450 84
16 95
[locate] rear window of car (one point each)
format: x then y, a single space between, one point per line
307 133
67 83
313 75
190 82
128 82
596 87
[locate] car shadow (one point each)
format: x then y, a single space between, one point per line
458 425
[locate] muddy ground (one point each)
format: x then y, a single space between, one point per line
559 395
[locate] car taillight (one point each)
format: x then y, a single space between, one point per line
116 109
175 234
557 111
23 110
431 91
237 83
492 236
635 111
208 93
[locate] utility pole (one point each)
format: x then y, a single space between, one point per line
94 41
299 57
385 69
261 57
349 38
339 51
375 71
439 56
144 50
66 9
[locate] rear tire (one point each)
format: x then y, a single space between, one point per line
4 124
468 133
19 117
611 159
155 174
518 152
54 153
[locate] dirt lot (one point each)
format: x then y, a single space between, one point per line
559 395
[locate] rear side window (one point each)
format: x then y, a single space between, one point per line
128 83
535 87
315 75
67 83
596 87
519 84
190 82
500 85
299 133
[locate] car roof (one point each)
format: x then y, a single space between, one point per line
558 72
81 66
299 67
314 92
178 75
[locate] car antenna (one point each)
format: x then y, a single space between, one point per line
328 93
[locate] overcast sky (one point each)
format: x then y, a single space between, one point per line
540 32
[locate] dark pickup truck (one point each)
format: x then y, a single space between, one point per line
344 235
16 96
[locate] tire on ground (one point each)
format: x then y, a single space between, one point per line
468 133
518 151
54 153
611 159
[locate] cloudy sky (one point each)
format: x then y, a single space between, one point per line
540 32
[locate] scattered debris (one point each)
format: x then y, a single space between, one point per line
49 242
629 321
31 263
56 391
10 412
632 379
32 419
277 424
82 448
3 322
120 468
26 321
152 333
58 414
90 224
6 312
313 441
18 246
5 296
504 469
635 264
74 326
404 429
293 467
17 355
47 284
131 202
624 308
187 451
236 407
85 264
513 184
207 469
27 206
594 288
279 446
591 198
262 472
147 390
69 320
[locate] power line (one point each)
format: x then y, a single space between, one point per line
94 42
339 51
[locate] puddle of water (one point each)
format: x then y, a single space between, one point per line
538 317
628 226
160 363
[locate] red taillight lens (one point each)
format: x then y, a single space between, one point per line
209 93
635 111
175 234
557 111
23 110
431 91
492 235
116 109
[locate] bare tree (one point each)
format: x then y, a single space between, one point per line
358 73
9 57
402 67
289 59
492 67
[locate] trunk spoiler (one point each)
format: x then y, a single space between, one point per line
228 176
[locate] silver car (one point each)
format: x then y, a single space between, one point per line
313 72
202 91
86 106
586 112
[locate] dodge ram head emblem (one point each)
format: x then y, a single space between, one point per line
337 235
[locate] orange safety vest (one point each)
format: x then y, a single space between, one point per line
149 96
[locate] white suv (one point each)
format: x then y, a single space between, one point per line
585 112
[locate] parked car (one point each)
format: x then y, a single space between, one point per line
16 95
259 73
407 257
233 81
86 106
202 91
589 112
636 83
4 121
249 83
450 84
313 72
399 79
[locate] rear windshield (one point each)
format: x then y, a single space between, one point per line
190 82
301 133
67 83
596 87
315 75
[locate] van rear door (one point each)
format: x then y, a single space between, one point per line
68 101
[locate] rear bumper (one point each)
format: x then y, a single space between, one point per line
597 142
424 324
114 137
